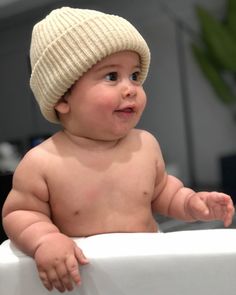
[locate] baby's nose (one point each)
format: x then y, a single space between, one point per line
129 90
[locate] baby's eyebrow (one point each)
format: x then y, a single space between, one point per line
107 67
111 67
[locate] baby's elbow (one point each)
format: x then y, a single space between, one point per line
6 209
7 221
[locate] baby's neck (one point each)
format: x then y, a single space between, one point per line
90 143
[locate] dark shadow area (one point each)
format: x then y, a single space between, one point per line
5 187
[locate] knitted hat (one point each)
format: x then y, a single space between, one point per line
68 42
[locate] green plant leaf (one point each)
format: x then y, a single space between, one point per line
231 16
212 73
219 40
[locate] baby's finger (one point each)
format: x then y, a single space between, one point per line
227 221
64 277
44 278
229 215
73 269
80 256
219 198
198 208
55 281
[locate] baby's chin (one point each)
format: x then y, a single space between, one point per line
115 133
118 135
111 138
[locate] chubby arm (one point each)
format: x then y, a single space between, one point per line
26 212
173 199
27 222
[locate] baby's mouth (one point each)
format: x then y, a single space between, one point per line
127 110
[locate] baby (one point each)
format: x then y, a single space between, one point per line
98 174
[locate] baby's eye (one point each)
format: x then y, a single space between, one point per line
135 76
113 76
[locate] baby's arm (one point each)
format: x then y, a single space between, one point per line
175 200
27 222
183 203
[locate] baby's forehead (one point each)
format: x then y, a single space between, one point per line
128 58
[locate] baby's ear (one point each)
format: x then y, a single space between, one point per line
62 106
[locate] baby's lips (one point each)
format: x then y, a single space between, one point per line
127 109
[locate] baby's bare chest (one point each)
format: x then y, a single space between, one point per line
79 186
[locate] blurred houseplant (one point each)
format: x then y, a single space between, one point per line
217 60
217 55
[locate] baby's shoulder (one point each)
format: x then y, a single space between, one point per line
38 154
146 137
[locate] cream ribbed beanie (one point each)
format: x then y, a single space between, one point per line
68 42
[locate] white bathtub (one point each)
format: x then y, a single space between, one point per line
180 263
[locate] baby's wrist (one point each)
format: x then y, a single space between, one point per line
48 238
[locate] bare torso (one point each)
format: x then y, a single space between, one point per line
92 191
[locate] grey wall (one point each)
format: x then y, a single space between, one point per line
211 127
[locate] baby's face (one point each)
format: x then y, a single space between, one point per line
108 100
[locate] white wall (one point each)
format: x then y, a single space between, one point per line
211 125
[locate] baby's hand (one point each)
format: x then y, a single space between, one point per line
57 260
211 206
